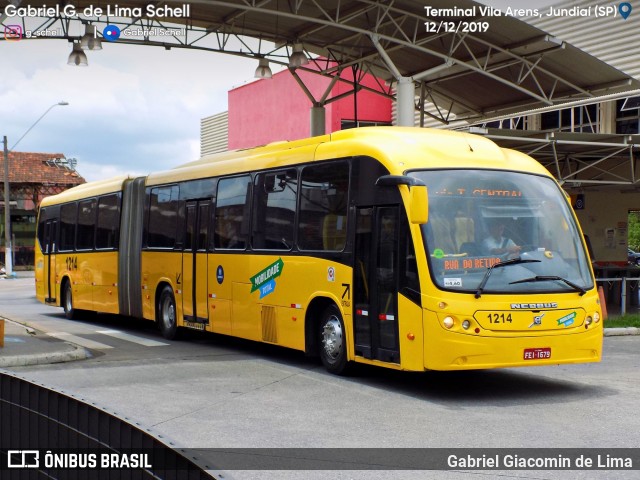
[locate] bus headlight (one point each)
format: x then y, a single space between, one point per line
466 324
588 321
448 322
596 317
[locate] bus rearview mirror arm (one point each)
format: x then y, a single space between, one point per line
418 197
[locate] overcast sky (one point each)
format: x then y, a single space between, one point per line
133 110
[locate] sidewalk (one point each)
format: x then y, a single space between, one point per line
25 346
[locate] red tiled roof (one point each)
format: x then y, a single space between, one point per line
28 167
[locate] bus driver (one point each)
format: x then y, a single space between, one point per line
496 243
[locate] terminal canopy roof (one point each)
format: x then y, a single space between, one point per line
576 159
497 68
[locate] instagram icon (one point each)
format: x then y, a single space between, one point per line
12 33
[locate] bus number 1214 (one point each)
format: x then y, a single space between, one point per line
72 263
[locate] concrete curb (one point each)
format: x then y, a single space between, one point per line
76 353
619 332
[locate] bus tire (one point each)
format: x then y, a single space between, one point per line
67 301
332 341
167 318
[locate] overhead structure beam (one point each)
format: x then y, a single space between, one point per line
576 159
464 76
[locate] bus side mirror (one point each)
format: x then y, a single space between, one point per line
418 204
418 198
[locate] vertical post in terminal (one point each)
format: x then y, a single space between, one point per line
317 120
405 92
404 99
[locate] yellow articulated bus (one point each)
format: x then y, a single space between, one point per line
407 248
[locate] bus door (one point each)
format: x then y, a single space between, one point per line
376 283
49 251
194 263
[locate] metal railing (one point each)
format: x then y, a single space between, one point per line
628 292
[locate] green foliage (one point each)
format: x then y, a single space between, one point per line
634 231
623 321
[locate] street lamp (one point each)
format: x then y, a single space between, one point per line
8 260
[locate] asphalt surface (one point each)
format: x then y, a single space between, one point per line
25 346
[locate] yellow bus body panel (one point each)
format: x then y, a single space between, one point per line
264 296
503 344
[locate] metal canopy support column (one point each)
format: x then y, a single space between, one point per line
404 100
317 120
405 92
317 117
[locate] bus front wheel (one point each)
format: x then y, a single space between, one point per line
67 301
333 347
167 314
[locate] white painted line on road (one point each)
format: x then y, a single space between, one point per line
85 342
133 338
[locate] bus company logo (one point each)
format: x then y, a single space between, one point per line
537 321
23 459
13 33
533 306
220 275
265 280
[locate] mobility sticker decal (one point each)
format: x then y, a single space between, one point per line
567 320
265 280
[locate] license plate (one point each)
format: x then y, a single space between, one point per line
537 353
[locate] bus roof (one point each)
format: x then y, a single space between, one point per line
398 148
87 190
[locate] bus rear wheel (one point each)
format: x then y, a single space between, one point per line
333 347
67 301
167 314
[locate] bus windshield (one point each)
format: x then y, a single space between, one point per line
479 218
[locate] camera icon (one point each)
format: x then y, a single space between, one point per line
13 33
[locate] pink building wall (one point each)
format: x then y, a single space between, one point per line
275 109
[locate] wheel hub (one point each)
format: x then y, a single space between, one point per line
332 337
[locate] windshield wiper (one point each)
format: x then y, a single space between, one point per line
544 278
513 261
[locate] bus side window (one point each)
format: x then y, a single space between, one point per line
232 212
67 226
108 224
334 232
323 195
274 210
163 217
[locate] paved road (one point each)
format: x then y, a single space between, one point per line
210 391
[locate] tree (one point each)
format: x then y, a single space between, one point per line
634 230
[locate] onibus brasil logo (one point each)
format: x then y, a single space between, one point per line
265 280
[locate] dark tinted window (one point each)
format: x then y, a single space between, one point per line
163 217
67 226
85 239
275 210
40 232
107 234
323 207
203 225
232 212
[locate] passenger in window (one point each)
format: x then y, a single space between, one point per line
497 244
227 232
